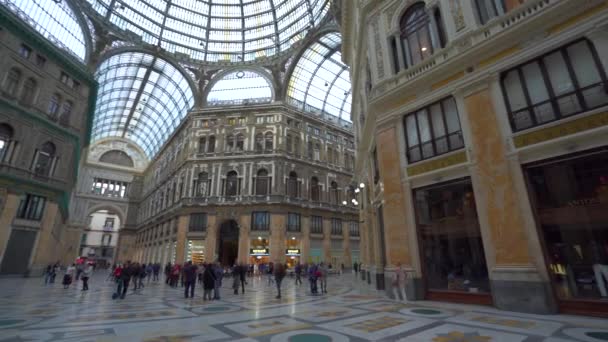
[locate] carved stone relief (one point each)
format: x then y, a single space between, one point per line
378 47
457 14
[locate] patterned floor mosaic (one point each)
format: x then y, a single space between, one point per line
31 311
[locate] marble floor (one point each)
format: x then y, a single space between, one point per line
31 311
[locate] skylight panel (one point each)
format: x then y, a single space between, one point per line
320 81
163 98
55 21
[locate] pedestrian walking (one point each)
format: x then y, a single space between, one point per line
125 277
208 282
149 272
279 274
399 280
189 279
219 274
313 276
156 271
323 273
69 276
47 274
86 275
243 277
298 272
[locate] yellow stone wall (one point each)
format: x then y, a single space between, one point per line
211 238
494 186
396 237
182 232
244 237
10 205
277 237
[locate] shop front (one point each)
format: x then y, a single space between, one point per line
452 253
293 252
196 251
259 253
316 251
337 254
570 198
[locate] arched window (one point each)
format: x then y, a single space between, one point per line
268 141
54 103
314 189
204 184
259 142
66 112
202 144
488 9
12 81
310 150
6 143
230 143
45 159
417 36
330 155
292 185
262 183
288 143
117 157
240 142
211 144
296 145
231 187
240 87
333 193
29 91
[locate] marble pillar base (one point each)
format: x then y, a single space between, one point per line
522 290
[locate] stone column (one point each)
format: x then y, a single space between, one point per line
211 238
46 248
277 237
396 227
182 231
346 258
326 240
244 238
510 239
11 203
305 240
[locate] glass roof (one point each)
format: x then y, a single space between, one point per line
54 20
320 82
216 30
142 98
240 87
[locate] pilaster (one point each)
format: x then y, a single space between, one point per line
277 237
182 232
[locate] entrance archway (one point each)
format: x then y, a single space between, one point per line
228 242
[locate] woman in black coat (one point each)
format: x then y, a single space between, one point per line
208 282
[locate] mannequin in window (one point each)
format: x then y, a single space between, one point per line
599 248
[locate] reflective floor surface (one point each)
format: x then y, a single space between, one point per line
31 311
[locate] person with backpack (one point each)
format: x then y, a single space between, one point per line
298 272
313 277
279 274
116 274
322 273
86 275
208 282
189 279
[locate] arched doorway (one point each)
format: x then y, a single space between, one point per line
228 243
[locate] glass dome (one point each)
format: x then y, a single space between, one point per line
54 20
215 30
240 87
320 82
142 98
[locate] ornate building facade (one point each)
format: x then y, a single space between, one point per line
481 132
47 98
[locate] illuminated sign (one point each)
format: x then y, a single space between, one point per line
259 251
292 252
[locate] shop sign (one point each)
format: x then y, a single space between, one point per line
259 251
292 252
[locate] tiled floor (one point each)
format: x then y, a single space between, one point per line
30 311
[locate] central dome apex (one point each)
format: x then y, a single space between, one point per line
215 30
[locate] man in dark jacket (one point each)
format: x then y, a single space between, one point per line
243 276
279 274
125 277
189 279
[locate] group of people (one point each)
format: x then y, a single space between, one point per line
73 272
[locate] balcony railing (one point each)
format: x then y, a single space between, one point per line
30 175
461 45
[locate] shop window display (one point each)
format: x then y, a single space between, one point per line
570 197
450 238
